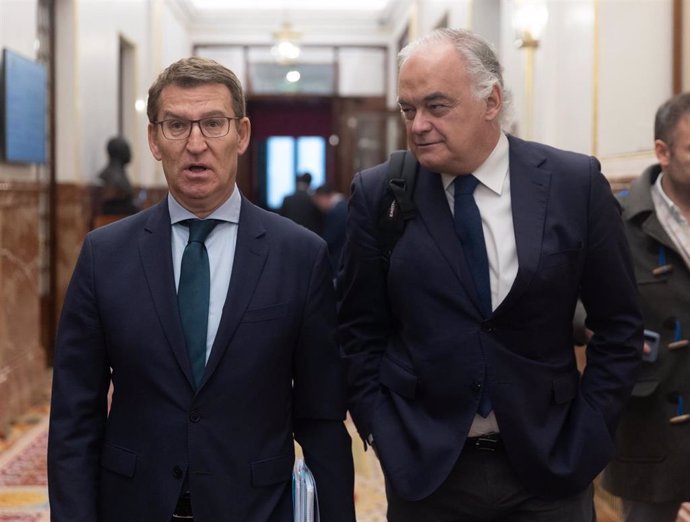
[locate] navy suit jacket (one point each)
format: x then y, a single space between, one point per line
274 371
418 348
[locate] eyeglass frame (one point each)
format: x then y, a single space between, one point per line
198 122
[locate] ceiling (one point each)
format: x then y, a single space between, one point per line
219 27
292 5
316 20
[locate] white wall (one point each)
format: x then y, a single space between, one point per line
606 110
176 43
87 80
595 91
18 26
635 72
563 75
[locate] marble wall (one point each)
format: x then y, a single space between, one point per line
26 323
23 367
73 221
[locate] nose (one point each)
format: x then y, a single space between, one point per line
196 141
420 123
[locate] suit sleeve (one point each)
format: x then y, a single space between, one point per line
78 412
364 314
319 395
609 295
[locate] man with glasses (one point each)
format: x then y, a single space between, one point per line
213 322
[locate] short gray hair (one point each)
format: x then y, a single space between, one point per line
482 63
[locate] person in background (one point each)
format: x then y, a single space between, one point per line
117 196
650 469
462 371
299 206
333 205
220 350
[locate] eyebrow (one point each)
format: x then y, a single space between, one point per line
434 96
210 114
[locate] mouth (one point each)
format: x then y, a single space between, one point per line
425 145
196 168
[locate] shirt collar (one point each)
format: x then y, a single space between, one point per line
228 211
667 202
492 173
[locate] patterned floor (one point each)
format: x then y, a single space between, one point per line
370 495
24 495
23 488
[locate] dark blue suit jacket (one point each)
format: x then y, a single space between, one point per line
417 345
274 370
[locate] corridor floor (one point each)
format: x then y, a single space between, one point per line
23 483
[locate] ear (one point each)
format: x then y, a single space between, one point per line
153 141
244 132
494 103
663 153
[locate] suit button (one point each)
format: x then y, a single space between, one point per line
195 416
177 472
476 387
488 327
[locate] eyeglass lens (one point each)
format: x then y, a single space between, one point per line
210 127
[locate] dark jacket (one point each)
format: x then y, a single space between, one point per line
300 208
418 346
274 373
652 460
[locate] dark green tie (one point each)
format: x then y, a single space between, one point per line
193 293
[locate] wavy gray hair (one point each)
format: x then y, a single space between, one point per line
482 64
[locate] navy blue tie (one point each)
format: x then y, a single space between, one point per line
193 293
468 226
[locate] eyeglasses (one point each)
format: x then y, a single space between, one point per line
176 129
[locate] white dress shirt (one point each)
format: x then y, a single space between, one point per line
220 245
492 196
672 220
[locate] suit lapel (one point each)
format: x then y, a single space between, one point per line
155 248
434 211
529 189
251 251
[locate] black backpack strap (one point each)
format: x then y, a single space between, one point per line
398 205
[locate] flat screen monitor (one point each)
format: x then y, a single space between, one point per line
23 88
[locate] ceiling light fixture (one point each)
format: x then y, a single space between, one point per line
286 49
293 76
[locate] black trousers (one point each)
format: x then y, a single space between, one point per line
183 510
482 487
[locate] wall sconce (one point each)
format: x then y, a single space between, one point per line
286 49
529 22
